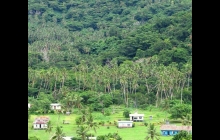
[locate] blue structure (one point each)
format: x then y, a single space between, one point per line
171 130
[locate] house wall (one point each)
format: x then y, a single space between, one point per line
169 132
137 118
43 125
124 124
57 107
40 126
92 138
36 126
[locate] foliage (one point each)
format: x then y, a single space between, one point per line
78 120
152 133
182 135
58 134
33 138
100 53
82 132
126 113
109 136
180 110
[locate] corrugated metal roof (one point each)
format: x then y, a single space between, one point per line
136 114
174 127
125 121
41 120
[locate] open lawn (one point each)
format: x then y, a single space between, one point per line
136 133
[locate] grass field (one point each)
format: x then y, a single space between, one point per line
136 133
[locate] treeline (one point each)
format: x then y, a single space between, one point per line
131 80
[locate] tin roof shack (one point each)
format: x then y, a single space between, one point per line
170 130
125 124
136 117
40 122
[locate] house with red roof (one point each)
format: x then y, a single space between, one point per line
40 122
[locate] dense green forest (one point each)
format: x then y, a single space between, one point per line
136 53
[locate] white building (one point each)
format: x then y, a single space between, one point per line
55 106
136 117
29 105
92 138
123 124
40 122
67 138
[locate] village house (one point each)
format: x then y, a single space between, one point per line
40 122
55 106
29 105
136 117
125 124
169 130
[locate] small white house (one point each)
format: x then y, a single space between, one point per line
136 117
124 124
92 138
29 105
40 122
67 138
55 106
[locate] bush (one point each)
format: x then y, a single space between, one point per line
107 127
133 124
78 120
126 113
107 112
33 138
101 123
182 135
90 135
115 123
52 111
145 124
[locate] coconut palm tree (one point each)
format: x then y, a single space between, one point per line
78 101
82 132
187 120
49 127
152 133
91 124
84 113
165 106
58 134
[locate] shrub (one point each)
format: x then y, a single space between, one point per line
78 120
115 123
145 124
107 127
52 111
107 112
133 124
33 138
101 123
126 113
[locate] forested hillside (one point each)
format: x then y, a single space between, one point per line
103 52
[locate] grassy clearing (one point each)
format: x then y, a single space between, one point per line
136 133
